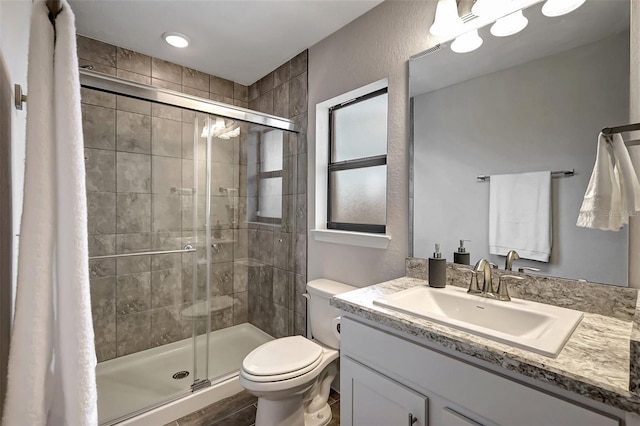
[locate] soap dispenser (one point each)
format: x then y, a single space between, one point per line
462 257
437 269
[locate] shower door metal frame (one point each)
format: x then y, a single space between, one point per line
119 86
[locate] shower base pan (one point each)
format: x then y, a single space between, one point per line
146 381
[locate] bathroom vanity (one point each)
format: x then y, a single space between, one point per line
399 369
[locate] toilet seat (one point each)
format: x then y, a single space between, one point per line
287 382
282 359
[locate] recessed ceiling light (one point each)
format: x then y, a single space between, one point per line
176 39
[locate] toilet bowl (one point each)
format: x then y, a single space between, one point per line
292 376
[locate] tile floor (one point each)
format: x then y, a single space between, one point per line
240 410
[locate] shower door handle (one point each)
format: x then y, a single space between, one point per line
186 249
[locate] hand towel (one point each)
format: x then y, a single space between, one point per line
613 193
52 360
520 215
629 185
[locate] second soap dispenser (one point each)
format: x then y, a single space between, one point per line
437 269
462 257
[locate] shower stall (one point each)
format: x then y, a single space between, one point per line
181 192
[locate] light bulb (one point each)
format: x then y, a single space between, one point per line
467 42
176 39
447 22
553 8
488 8
509 25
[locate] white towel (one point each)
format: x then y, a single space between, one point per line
52 358
613 193
520 215
76 400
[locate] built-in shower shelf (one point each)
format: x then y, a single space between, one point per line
222 240
198 310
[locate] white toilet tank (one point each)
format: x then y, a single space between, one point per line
321 313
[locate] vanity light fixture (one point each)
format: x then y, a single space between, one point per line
553 8
509 25
447 22
176 39
467 42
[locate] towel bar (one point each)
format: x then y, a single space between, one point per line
555 173
620 129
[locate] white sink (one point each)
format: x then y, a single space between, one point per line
537 327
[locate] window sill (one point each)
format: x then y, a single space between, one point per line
359 239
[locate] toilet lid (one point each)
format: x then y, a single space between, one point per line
282 356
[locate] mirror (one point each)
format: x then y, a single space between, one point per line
533 101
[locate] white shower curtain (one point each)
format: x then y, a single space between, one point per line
52 357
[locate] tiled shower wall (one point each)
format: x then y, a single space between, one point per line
276 303
137 155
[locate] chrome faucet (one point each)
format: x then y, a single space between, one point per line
484 267
513 255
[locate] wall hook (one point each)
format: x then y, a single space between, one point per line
20 98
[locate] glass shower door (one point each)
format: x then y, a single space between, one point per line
146 190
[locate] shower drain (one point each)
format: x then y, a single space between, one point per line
180 375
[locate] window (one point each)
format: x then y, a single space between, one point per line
265 176
357 169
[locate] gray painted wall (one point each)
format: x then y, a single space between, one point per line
542 115
372 47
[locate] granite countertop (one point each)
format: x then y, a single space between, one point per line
594 362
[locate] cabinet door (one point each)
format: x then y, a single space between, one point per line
371 399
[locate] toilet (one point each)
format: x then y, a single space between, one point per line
292 376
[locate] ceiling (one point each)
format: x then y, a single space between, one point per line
240 40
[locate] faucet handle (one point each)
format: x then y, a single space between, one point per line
503 291
493 265
523 269
474 288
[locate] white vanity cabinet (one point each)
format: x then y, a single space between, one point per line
385 379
